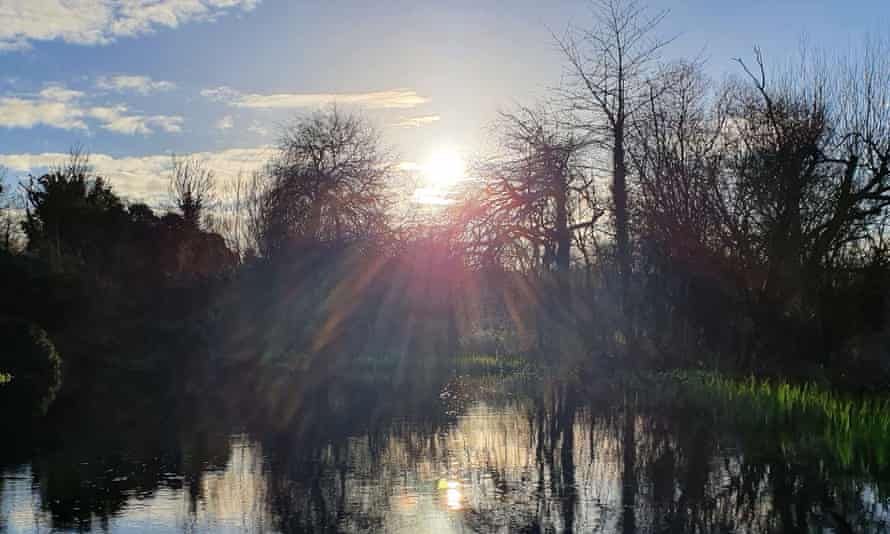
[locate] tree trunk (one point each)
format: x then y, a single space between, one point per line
563 236
314 228
619 197
622 241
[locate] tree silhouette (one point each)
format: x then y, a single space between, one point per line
71 215
611 73
535 195
192 188
327 183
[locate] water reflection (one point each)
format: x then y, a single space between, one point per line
111 493
544 460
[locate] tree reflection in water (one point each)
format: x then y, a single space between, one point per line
519 457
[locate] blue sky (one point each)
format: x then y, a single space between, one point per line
134 80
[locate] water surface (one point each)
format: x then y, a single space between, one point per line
475 455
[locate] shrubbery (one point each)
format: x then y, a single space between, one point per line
30 359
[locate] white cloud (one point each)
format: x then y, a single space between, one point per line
139 84
98 22
220 94
258 129
60 93
168 123
115 119
414 122
144 178
60 107
225 123
396 98
53 106
20 113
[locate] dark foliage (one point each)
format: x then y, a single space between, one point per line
35 367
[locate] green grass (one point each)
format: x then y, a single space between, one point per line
856 431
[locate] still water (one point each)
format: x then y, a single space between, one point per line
476 455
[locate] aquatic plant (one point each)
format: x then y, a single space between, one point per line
855 430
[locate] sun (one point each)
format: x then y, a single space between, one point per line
444 168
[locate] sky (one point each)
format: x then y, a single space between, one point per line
134 81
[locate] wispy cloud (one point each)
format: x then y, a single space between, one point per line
258 129
99 22
60 107
138 84
396 98
144 178
116 119
225 123
60 93
414 122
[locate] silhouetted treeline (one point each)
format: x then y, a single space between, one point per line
642 215
123 293
740 222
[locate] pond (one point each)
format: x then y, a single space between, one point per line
477 454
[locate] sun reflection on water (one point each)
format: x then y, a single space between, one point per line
453 498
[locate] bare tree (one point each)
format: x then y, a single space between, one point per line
8 223
675 154
860 150
535 194
328 182
766 190
813 163
611 71
238 216
192 189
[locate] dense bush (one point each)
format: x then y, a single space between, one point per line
30 358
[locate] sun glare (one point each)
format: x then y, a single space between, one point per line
452 496
441 172
444 168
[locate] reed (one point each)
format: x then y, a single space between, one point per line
856 429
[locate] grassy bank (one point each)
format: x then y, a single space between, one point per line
854 430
